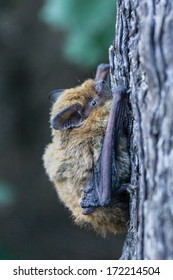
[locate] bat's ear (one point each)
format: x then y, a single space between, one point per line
69 117
54 95
102 72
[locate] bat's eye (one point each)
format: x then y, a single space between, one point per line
93 103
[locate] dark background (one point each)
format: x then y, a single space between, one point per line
33 223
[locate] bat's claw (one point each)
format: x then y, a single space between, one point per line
120 90
127 187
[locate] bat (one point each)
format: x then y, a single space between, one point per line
88 159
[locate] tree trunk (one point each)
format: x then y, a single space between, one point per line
142 60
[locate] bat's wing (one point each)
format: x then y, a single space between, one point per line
91 193
98 190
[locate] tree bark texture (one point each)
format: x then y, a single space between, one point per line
142 60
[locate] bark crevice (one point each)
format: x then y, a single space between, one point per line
142 60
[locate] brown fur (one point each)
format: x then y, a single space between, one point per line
68 161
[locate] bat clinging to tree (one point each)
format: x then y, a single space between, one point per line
88 161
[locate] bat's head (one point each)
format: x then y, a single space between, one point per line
73 106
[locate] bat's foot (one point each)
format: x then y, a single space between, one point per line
127 188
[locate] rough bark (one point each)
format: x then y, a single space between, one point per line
142 60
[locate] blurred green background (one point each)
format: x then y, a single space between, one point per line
44 45
89 27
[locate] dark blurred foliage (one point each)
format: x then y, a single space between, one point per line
33 224
89 25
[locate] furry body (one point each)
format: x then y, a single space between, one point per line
70 158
